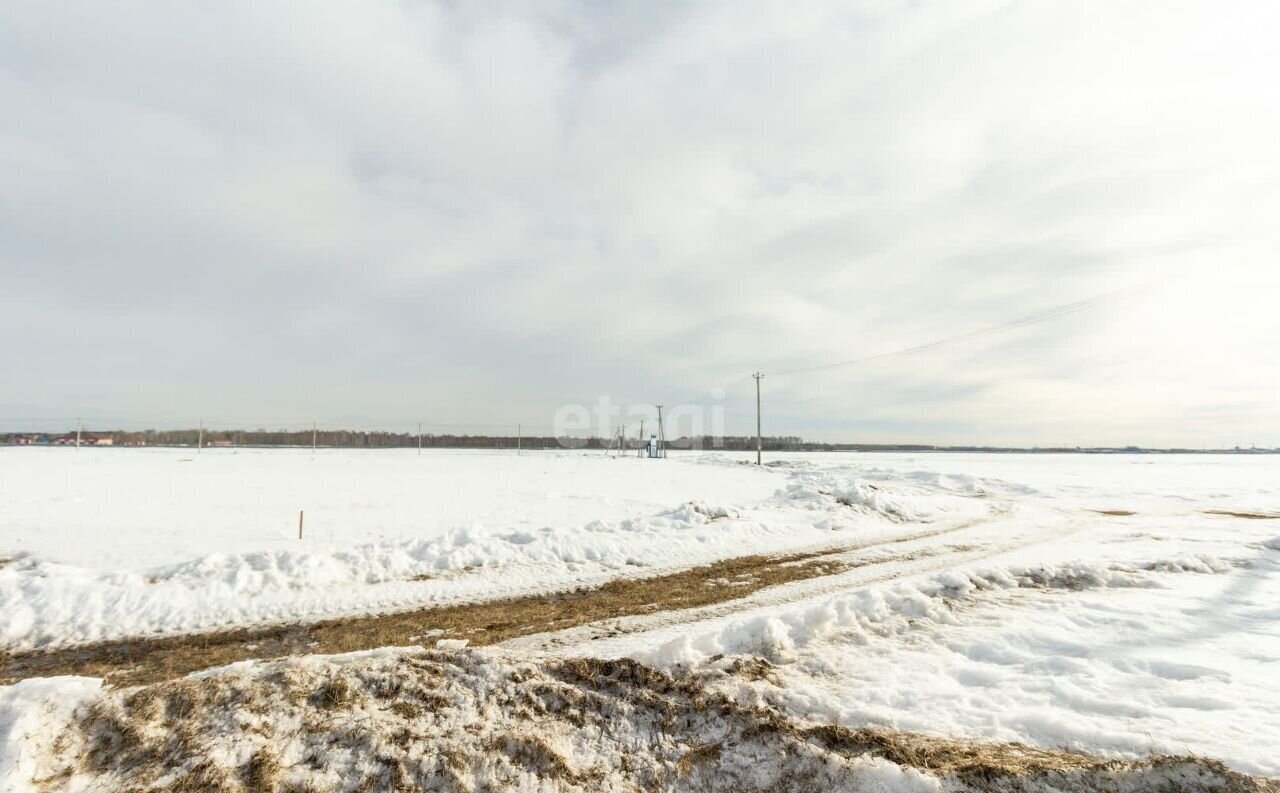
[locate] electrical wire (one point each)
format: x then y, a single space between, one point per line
1021 322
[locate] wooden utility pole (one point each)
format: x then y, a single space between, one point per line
759 441
662 435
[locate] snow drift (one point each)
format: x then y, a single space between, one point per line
469 721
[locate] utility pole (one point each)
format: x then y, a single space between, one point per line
200 438
519 439
79 426
419 438
640 440
662 435
313 437
759 441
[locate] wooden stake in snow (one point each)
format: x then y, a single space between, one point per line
299 524
759 441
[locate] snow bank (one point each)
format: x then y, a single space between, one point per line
913 497
33 713
1171 655
934 599
468 720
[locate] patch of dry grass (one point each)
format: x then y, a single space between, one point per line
149 660
1245 515
510 724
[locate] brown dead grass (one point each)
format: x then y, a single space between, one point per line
1115 513
149 660
983 765
667 731
1245 515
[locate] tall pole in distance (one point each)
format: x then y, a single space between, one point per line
79 426
759 441
419 437
662 435
200 437
313 437
519 439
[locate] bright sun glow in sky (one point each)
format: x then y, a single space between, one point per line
382 213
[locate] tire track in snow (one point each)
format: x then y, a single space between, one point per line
142 660
859 573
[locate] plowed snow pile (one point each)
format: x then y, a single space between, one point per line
472 721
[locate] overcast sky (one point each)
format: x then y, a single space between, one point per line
476 213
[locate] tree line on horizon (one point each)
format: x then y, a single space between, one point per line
379 439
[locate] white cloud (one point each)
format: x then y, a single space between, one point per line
479 214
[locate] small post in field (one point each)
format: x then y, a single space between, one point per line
759 440
299 524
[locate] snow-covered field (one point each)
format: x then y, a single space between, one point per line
1018 611
119 542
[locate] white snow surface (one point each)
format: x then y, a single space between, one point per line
1035 619
33 713
1129 634
107 543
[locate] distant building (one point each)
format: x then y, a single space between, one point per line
86 439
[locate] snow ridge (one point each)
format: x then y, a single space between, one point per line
894 608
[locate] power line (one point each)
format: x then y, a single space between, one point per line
1030 319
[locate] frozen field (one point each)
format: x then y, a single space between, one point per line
109 543
1116 604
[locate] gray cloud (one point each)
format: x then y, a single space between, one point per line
479 213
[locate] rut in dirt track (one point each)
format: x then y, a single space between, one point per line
149 660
